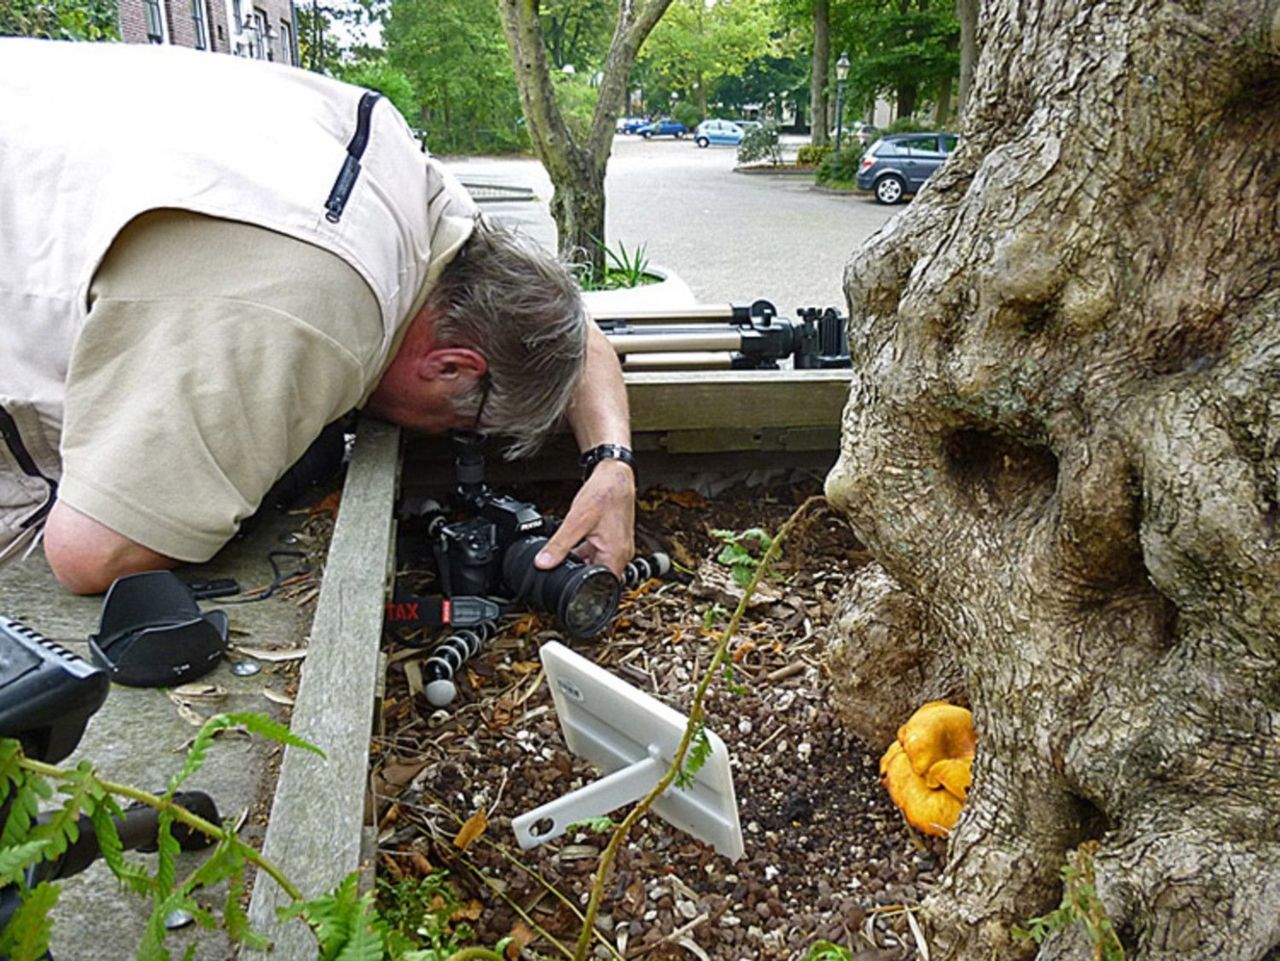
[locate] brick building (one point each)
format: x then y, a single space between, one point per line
261 29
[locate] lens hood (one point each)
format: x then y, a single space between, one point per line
152 633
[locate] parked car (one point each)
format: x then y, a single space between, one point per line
899 164
630 124
718 131
666 127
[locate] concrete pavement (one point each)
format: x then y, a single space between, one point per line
730 236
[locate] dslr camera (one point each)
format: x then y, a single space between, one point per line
490 551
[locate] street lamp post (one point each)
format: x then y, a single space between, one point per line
842 74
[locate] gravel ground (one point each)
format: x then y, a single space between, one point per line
827 855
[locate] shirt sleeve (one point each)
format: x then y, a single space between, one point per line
182 412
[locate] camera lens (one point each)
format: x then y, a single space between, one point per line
583 597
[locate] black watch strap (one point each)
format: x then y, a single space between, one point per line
590 458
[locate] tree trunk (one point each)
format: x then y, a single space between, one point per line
967 14
906 100
942 106
1063 439
576 170
818 133
578 210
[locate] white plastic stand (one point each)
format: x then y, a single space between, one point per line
633 738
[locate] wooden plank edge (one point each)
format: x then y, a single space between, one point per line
315 827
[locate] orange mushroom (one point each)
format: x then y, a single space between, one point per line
927 769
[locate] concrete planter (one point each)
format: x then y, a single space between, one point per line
668 293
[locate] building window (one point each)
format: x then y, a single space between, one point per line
155 23
258 38
200 24
237 15
286 43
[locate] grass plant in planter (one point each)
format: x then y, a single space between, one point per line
623 269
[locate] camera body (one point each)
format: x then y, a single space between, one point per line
469 552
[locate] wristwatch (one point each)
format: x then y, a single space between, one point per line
590 458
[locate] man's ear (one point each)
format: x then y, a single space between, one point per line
451 363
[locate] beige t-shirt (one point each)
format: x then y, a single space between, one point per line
214 352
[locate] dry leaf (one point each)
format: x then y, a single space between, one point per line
472 829
413 674
469 913
742 650
327 504
521 937
421 863
276 697
526 624
683 556
633 898
190 716
693 948
503 710
273 654
398 775
525 667
197 691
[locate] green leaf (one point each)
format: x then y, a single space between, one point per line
699 751
15 860
26 936
252 721
166 860
102 813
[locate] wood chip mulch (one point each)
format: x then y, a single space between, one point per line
827 854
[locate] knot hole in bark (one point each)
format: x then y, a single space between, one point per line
998 473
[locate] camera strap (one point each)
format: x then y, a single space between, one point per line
434 610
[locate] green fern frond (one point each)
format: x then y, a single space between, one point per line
15 860
102 813
26 936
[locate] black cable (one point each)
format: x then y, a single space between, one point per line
278 577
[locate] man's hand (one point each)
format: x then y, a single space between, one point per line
600 523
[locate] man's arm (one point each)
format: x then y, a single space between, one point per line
87 556
602 516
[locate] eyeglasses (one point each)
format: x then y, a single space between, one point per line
484 399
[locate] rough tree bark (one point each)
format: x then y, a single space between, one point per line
576 170
1063 439
818 132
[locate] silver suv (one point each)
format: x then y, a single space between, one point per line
899 164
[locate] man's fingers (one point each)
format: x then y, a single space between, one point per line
555 550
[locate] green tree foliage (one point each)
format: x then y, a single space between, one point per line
453 54
576 32
786 75
392 82
696 44
577 100
60 19
899 49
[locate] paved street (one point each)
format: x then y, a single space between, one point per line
731 237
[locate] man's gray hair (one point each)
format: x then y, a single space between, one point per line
518 306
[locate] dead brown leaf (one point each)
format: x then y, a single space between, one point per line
503 710
633 898
326 505
471 912
398 775
521 937
471 830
